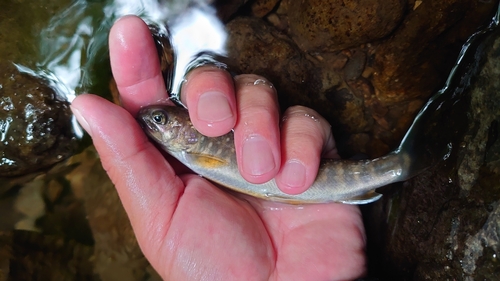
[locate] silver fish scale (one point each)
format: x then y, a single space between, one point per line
337 180
346 181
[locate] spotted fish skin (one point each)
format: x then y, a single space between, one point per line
345 181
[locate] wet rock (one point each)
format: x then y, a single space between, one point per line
443 224
484 104
355 65
260 8
259 48
414 60
29 202
35 125
347 107
33 256
318 82
82 230
361 89
337 85
226 9
279 18
333 25
476 246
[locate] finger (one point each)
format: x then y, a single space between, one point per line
305 136
146 183
209 95
135 64
256 134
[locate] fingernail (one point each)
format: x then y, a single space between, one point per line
213 107
294 174
257 156
81 120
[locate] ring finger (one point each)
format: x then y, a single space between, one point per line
305 138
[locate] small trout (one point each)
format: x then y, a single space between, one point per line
345 181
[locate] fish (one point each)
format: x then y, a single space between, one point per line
338 180
214 158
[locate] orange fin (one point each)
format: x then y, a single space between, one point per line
207 161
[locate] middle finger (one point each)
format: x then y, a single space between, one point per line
256 134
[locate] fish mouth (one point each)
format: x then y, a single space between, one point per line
145 123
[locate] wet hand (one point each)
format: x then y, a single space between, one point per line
218 103
188 228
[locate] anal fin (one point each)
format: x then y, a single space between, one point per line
366 198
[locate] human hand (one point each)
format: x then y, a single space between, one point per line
188 228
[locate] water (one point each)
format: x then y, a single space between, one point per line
65 44
424 137
71 49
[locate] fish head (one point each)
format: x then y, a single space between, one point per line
169 126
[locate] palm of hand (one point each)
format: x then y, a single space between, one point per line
216 236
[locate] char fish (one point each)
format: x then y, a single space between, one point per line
345 181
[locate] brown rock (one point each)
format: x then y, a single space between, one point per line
415 59
226 9
259 48
35 256
443 223
332 25
260 8
35 125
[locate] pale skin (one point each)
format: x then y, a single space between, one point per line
190 229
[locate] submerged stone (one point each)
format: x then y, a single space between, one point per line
35 125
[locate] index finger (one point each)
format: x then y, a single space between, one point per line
208 93
135 64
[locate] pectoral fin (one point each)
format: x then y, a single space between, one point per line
366 198
207 161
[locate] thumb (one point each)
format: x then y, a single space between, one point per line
145 181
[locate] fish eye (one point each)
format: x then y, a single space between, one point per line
159 117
